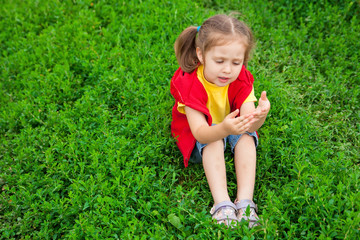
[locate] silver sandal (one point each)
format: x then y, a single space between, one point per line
241 207
224 212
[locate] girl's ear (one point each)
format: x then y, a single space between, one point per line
199 55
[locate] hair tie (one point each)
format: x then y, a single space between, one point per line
198 28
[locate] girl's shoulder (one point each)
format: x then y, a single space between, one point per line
185 85
183 79
245 77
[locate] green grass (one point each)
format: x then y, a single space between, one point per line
85 112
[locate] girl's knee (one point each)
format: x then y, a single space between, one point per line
219 143
245 139
245 142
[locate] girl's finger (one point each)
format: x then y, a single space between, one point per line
234 113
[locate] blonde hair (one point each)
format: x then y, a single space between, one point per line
216 30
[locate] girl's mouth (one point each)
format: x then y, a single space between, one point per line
223 80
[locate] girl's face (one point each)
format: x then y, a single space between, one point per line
222 64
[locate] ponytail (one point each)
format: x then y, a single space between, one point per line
185 49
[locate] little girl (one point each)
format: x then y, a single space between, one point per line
214 106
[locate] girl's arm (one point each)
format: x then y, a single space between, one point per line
259 113
204 133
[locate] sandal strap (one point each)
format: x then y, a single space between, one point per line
223 204
245 203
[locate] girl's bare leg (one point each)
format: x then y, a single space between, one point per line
245 165
215 170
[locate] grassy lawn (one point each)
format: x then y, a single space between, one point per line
85 113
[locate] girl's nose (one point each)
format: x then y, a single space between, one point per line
227 68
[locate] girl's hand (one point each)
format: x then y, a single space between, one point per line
237 125
263 108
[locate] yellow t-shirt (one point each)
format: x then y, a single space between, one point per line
218 101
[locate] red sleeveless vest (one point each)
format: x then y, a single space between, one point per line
187 89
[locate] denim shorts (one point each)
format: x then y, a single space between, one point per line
196 155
